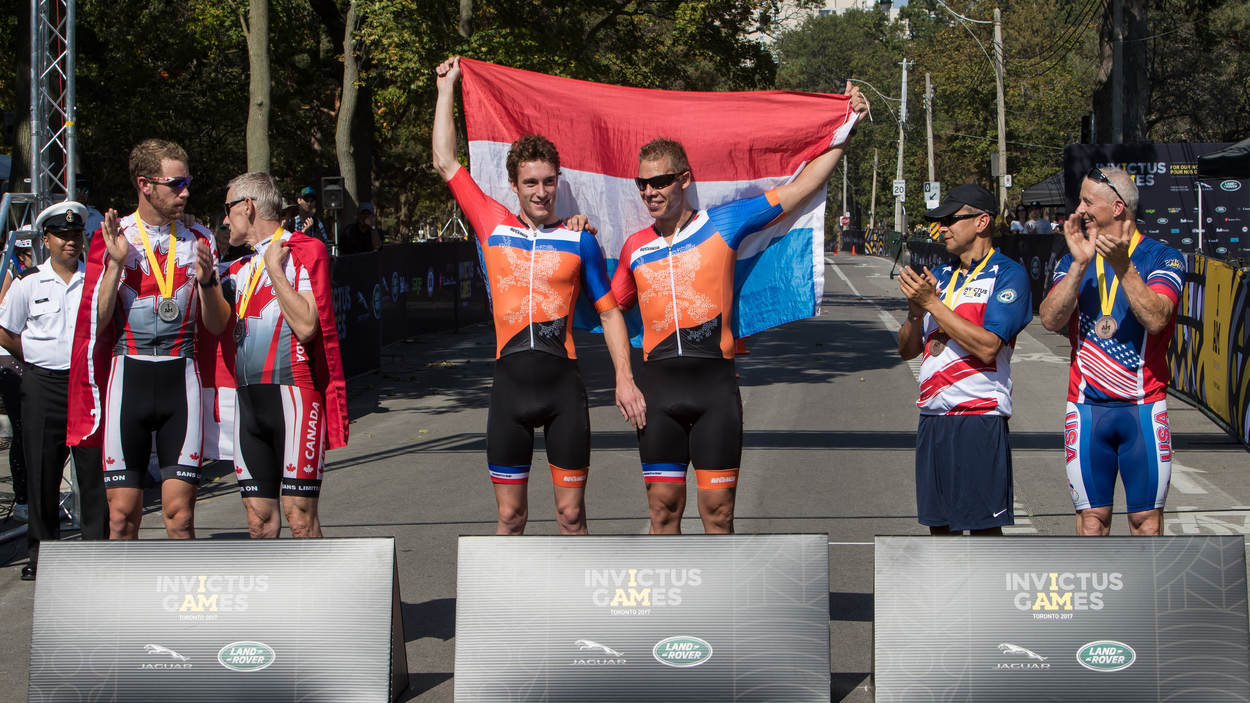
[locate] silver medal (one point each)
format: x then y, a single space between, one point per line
1106 327
168 310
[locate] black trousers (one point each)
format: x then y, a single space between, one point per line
45 399
11 394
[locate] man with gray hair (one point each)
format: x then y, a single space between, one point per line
1116 293
291 397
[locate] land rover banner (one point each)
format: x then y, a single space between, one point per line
1061 619
642 618
212 621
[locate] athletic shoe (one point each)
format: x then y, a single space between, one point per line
21 512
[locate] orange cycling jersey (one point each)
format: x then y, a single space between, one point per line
685 289
534 275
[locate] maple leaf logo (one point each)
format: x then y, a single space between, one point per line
111 460
290 468
193 456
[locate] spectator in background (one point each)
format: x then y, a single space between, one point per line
1037 224
364 234
305 219
10 388
1017 222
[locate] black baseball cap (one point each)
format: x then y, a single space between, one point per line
969 194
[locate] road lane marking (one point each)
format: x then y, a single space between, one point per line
1183 481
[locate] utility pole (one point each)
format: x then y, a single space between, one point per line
1002 110
1117 71
899 224
872 202
928 122
844 210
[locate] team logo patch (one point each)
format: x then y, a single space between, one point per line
1007 296
1174 264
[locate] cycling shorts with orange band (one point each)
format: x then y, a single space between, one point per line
537 389
694 416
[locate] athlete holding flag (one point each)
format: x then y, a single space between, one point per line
290 402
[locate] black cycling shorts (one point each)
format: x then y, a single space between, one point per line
279 441
146 398
537 389
694 416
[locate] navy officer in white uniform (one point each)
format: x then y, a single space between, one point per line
37 327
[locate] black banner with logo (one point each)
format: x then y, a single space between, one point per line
1061 619
1167 182
389 295
211 621
642 618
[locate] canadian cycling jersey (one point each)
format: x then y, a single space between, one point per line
1131 366
267 351
140 328
534 275
953 381
685 289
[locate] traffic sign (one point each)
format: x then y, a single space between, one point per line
1007 181
900 188
932 194
844 221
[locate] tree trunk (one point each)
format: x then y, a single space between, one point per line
466 18
1136 88
20 171
256 29
344 146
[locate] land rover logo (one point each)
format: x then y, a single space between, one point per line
1230 185
1106 656
246 656
1162 220
682 651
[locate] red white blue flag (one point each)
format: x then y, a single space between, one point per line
739 144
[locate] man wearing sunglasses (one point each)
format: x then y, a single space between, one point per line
1115 293
963 320
535 265
137 324
680 272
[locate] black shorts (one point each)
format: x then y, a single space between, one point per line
694 416
537 389
963 472
279 441
146 398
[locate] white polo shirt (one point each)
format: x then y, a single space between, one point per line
42 308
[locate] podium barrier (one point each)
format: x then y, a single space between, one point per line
643 618
1061 619
205 621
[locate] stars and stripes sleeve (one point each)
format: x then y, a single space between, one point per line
1010 308
1167 275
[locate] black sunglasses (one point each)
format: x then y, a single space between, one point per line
952 219
659 182
177 184
232 203
1096 174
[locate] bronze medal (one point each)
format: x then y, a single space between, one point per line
240 329
168 310
1106 327
937 345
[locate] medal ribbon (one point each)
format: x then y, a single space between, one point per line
166 285
953 294
1107 298
254 279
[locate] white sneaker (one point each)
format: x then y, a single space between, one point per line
20 512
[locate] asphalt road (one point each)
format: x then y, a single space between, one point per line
830 422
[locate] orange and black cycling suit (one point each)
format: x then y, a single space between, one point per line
534 277
685 293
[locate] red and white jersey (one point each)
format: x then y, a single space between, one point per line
955 381
268 351
140 331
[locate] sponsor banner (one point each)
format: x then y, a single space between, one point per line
1061 618
637 618
1210 352
206 621
1167 182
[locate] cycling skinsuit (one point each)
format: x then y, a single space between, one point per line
153 384
1116 416
534 277
279 429
684 291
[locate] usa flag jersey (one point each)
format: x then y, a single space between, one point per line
140 330
685 290
955 381
268 351
534 276
1132 366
